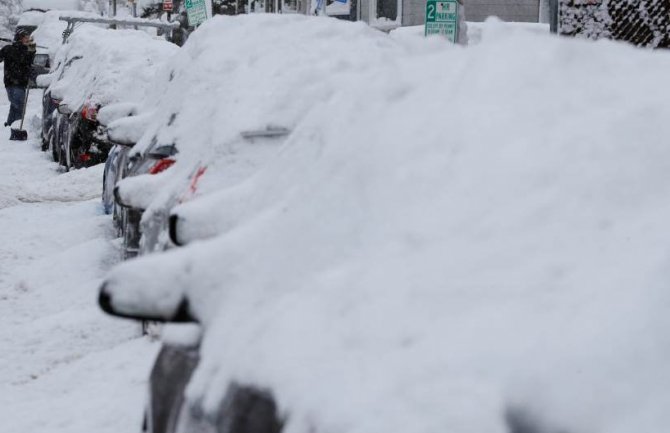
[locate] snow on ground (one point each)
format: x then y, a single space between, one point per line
60 356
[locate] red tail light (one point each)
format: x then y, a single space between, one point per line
161 165
84 157
90 112
55 101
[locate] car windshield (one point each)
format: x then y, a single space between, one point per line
67 65
26 28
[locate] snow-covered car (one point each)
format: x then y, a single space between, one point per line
35 12
49 106
128 213
49 37
115 66
126 161
110 117
242 118
30 20
398 266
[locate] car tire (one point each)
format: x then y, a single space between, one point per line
73 146
131 233
64 146
55 154
247 409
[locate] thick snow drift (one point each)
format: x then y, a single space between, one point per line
450 238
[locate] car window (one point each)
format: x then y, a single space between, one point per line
68 65
41 59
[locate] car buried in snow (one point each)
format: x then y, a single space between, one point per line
129 163
200 148
100 67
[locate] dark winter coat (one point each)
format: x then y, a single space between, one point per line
18 61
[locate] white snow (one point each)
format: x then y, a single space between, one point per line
65 367
448 234
117 111
127 130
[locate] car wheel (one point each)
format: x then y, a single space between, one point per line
64 146
73 146
73 157
73 152
117 217
131 233
247 409
51 137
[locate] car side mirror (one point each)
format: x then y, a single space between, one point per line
43 81
172 309
173 224
64 109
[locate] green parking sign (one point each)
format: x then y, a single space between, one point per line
442 18
196 11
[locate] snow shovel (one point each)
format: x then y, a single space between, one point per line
21 134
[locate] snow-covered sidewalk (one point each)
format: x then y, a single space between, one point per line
60 356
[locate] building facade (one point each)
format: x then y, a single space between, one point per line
394 13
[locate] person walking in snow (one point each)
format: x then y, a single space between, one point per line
18 58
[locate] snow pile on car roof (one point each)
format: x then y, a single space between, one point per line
225 81
49 33
52 4
457 240
109 71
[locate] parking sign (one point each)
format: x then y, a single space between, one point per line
196 11
442 18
